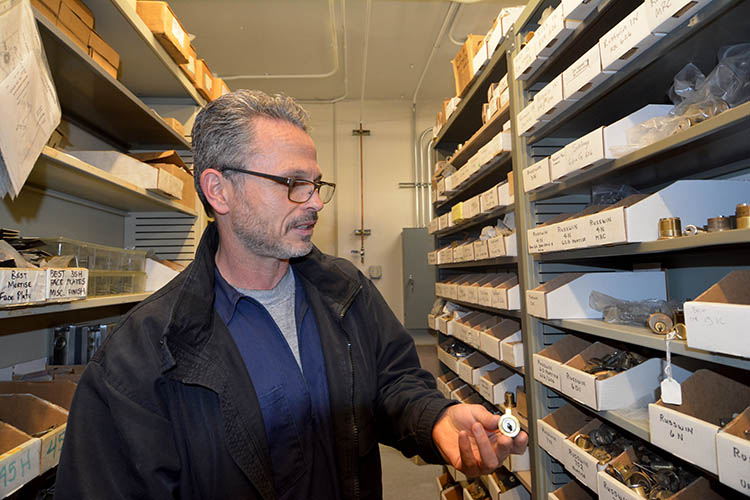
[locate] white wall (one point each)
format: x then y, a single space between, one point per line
388 155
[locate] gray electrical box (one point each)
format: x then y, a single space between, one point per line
419 277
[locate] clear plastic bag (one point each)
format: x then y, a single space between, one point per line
488 232
437 306
609 194
629 312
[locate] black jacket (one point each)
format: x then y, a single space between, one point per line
166 409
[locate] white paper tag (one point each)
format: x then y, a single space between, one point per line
671 391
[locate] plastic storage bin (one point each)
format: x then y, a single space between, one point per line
97 257
116 282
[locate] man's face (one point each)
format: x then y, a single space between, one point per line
262 217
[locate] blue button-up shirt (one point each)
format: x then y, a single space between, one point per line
295 403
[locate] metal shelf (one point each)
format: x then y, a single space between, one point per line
61 172
471 187
468 114
145 67
504 312
518 369
697 242
462 226
496 261
481 137
644 337
720 140
524 477
90 303
98 103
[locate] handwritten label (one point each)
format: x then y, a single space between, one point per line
549 97
606 228
685 436
734 461
549 32
499 298
488 200
19 468
178 32
484 296
52 444
536 176
571 234
536 303
579 385
485 389
471 294
527 118
627 34
585 151
481 250
610 489
523 60
547 371
665 15
22 286
581 73
432 258
581 465
496 246
718 327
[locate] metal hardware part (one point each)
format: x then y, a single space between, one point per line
510 401
660 323
720 223
509 424
692 230
670 227
742 212
583 441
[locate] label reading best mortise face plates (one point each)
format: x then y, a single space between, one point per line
22 286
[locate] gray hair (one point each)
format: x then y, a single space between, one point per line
223 132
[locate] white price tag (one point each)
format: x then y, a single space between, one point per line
671 391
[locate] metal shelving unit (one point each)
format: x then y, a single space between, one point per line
715 148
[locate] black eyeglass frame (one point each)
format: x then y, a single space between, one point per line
289 182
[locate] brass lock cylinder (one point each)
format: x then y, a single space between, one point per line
743 216
670 227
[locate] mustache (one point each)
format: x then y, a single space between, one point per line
306 219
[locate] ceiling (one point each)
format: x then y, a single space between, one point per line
299 46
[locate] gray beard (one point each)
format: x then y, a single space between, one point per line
254 235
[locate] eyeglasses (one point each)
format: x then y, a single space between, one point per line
300 190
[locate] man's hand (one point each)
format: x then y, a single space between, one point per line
468 438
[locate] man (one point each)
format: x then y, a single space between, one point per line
266 369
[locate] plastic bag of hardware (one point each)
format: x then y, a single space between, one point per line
488 232
629 312
437 306
609 194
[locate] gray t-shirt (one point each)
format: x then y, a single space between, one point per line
279 302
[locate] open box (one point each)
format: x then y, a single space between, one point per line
689 431
472 207
604 143
58 392
733 452
610 488
463 393
449 360
584 75
553 32
38 417
628 39
717 319
555 428
443 481
481 250
527 119
580 463
453 386
507 295
551 101
618 391
511 245
542 237
566 232
517 463
442 382
19 458
536 175
488 200
490 339
474 334
666 15
567 295
432 258
494 383
505 194
571 491
472 367
512 350
492 482
463 283
471 291
484 293
496 246
548 362
579 9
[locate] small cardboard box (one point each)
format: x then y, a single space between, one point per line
527 118
491 338
542 237
102 61
489 200
450 361
36 416
442 382
205 83
618 391
19 458
79 8
571 491
472 367
553 32
507 295
104 49
443 481
481 250
471 207
480 58
517 463
463 71
58 392
494 383
496 246
452 493
513 350
453 386
432 258
175 124
65 284
190 66
492 482
527 61
48 12
567 295
548 362
666 15
20 286
584 74
580 463
555 428
550 101
463 393
628 39
505 194
717 319
171 162
511 247
689 430
536 175
733 450
162 22
74 26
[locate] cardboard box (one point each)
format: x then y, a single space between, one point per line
542 237
508 17
548 362
716 320
527 61
480 58
550 101
172 163
584 74
618 391
66 284
472 367
555 428
513 350
527 118
567 295
35 416
176 125
666 15
205 84
432 258
450 361
452 493
104 49
443 481
511 246
463 71
79 8
457 475
536 175
578 462
442 382
628 39
58 392
504 194
490 339
493 384
484 293
733 451
517 463
579 9
463 393
496 246
162 22
75 28
553 32
689 430
219 88
481 250
189 67
20 286
49 13
507 295
19 458
571 491
472 207
102 61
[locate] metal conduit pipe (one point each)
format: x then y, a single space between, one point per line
419 185
427 178
450 16
415 162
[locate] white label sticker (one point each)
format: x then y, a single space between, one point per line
178 33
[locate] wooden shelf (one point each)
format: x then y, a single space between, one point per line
90 303
58 171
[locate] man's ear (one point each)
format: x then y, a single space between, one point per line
215 189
